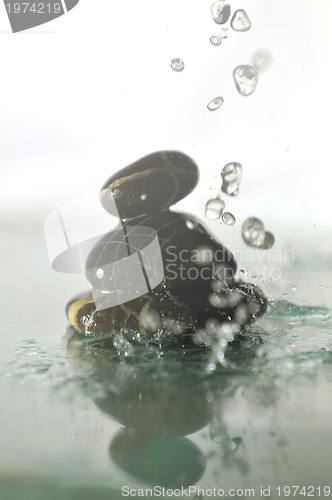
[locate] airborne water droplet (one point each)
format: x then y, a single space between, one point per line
220 11
177 64
240 21
150 320
190 224
214 208
228 218
253 232
231 178
268 240
245 77
215 103
261 59
215 40
100 274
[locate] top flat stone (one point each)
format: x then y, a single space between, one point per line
153 183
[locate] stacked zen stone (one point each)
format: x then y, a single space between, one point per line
197 284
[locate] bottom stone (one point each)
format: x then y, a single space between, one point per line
166 313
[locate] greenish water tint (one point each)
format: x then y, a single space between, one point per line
254 420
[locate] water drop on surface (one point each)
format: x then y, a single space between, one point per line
100 274
143 197
215 104
294 288
245 77
231 178
240 21
190 224
228 218
214 208
177 64
215 40
220 12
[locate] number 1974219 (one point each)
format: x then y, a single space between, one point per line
35 8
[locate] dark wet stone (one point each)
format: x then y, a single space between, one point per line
152 183
159 271
190 256
163 312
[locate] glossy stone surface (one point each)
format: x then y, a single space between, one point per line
191 257
153 183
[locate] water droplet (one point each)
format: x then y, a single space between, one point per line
203 255
253 232
122 346
261 59
202 337
217 300
190 224
86 320
216 103
294 288
214 208
245 77
218 285
211 367
100 274
220 11
177 64
240 21
228 218
268 240
241 314
215 40
231 178
150 320
224 33
143 197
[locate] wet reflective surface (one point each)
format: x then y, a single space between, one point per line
80 422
